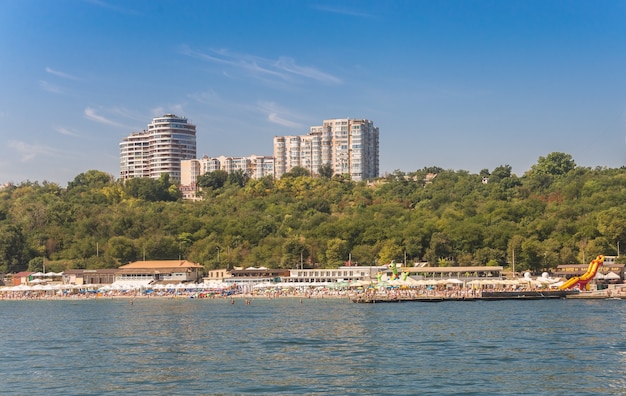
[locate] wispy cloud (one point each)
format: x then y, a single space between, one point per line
161 110
342 11
28 151
276 119
279 115
216 102
112 7
61 74
289 65
283 68
207 97
52 88
91 114
271 111
66 132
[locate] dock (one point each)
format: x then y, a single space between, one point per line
486 296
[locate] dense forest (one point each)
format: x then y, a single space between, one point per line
556 213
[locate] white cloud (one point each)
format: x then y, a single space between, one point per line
276 119
46 86
112 7
284 68
342 11
289 65
91 114
61 74
208 97
66 132
213 99
279 115
30 151
172 109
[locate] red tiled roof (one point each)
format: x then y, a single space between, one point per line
161 264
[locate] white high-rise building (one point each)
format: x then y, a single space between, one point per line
159 149
350 146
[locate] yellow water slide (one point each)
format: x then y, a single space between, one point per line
586 277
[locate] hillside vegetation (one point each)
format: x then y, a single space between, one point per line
555 213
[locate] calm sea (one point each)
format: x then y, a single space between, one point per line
330 346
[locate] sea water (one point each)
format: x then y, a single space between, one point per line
313 346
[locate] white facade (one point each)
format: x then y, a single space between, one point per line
350 146
343 273
159 149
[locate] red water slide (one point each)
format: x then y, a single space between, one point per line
582 280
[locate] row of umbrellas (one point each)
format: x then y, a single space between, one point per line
610 276
169 286
46 274
410 282
117 287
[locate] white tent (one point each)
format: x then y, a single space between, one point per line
612 276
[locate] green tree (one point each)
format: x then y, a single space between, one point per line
294 252
35 264
215 180
12 249
555 164
238 178
152 190
336 252
390 251
296 171
326 171
122 249
90 180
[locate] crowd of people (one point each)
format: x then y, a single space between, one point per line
233 292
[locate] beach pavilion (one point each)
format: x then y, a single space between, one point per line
158 271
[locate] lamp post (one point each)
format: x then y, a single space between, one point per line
514 274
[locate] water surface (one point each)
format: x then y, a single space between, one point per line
331 346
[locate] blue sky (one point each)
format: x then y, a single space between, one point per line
463 85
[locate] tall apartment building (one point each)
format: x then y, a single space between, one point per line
159 149
349 146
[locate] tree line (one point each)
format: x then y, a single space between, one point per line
555 213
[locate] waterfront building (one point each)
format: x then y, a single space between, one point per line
22 278
350 146
160 149
609 270
246 279
217 275
158 271
328 276
461 273
104 276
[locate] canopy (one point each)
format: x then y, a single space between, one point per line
612 276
